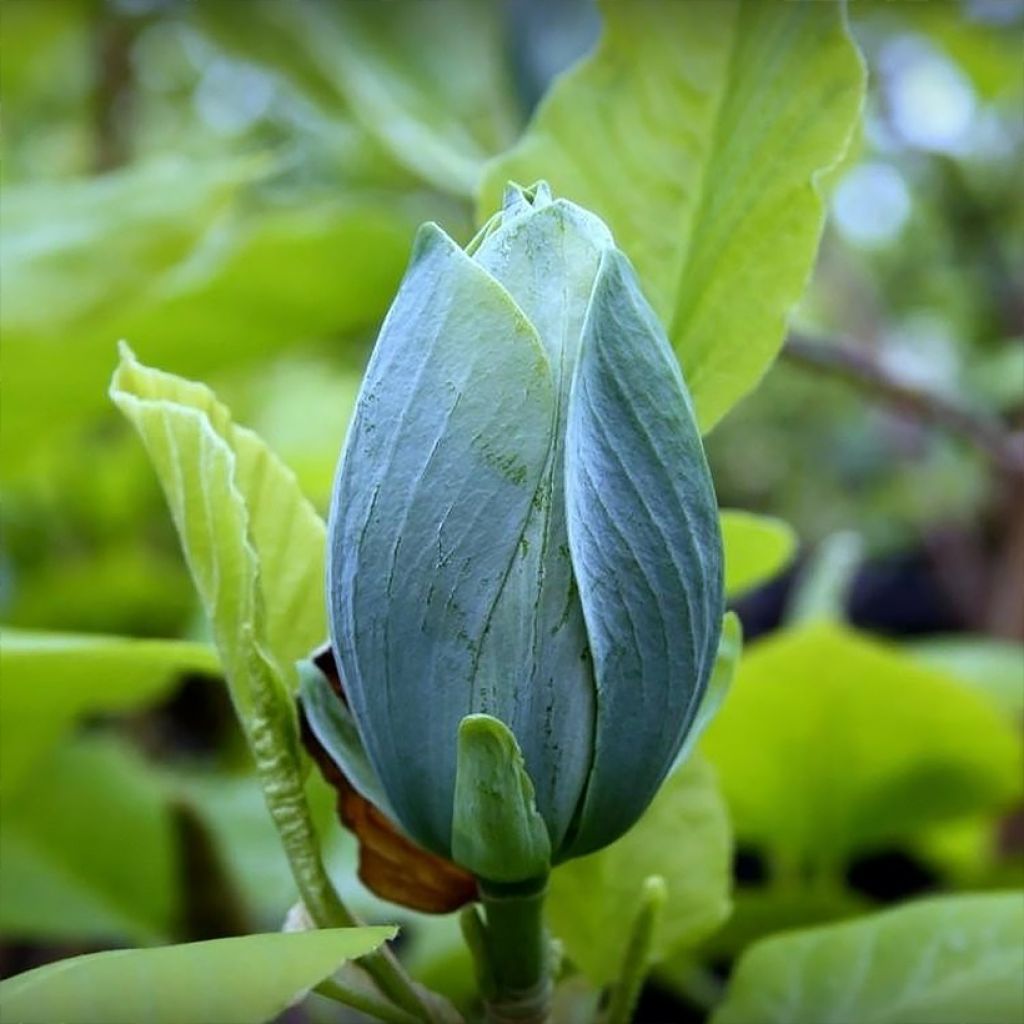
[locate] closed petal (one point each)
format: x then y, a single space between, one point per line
534 666
646 550
444 456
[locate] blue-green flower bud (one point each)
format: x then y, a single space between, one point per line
524 527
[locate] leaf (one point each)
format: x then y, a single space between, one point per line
255 548
88 849
436 102
50 680
994 667
833 743
756 549
460 370
255 279
684 837
234 812
646 550
302 408
53 288
253 543
698 131
973 853
144 220
251 978
730 650
948 960
124 587
760 910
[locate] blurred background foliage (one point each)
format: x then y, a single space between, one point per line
235 194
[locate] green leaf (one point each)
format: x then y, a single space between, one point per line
255 549
143 220
730 650
971 853
54 289
234 812
995 667
636 957
256 278
496 830
832 742
436 102
698 131
756 549
684 837
302 408
949 960
124 587
253 543
251 978
50 680
88 849
760 910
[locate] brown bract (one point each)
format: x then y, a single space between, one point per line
390 864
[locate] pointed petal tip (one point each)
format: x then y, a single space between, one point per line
520 199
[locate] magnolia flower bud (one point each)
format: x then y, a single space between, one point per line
525 565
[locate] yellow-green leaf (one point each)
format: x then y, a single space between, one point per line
242 980
756 548
832 742
255 548
683 837
52 679
88 849
698 132
949 960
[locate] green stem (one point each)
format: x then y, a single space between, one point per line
518 953
636 961
326 908
274 742
365 1003
383 966
474 934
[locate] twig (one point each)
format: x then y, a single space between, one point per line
114 93
367 1003
853 363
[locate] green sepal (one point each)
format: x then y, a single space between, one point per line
335 729
497 832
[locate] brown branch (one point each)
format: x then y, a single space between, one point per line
114 92
858 366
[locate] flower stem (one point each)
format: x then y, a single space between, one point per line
518 976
